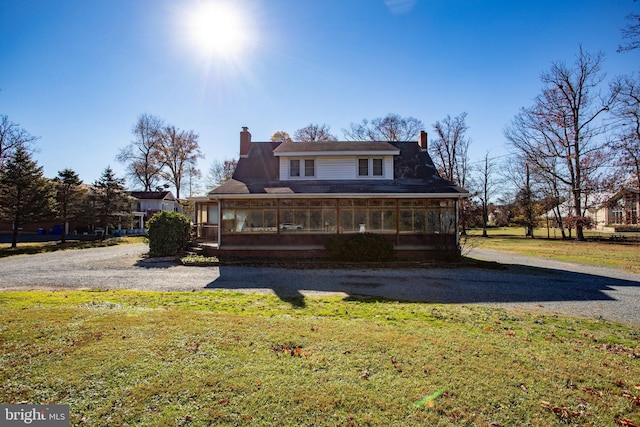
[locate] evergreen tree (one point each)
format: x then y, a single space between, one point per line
112 201
69 193
26 196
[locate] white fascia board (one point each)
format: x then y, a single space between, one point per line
336 153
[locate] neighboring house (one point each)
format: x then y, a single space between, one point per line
620 210
292 196
608 212
148 203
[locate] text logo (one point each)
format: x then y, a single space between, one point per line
34 415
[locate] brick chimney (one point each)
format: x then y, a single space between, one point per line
245 142
422 140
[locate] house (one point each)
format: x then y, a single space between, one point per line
618 211
148 203
291 196
607 211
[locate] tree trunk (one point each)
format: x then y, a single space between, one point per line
14 238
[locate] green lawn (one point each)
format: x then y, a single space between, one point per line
223 358
623 255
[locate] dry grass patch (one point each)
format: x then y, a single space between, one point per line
618 254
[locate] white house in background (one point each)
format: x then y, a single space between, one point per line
622 209
148 203
608 210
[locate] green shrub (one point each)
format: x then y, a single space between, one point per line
168 232
361 247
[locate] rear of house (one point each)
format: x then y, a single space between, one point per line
286 199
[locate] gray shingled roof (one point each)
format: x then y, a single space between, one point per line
414 173
150 195
335 146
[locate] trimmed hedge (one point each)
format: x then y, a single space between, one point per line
169 233
361 247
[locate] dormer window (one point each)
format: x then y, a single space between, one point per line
370 167
299 168
294 168
377 167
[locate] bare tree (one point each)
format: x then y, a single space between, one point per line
631 33
220 172
191 180
487 185
12 137
626 143
554 195
560 134
142 156
450 149
525 206
179 153
314 133
392 127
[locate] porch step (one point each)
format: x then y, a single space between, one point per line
195 249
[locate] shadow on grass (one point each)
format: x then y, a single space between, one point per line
484 282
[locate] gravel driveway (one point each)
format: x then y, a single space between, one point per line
532 283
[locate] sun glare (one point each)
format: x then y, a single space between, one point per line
217 28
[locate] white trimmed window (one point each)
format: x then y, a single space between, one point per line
370 167
299 168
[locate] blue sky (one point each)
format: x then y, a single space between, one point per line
78 74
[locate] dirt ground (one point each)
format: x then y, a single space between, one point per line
525 282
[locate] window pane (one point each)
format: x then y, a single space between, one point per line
263 203
377 167
256 220
270 220
360 220
294 168
329 216
346 220
315 220
363 167
406 220
434 220
300 219
389 220
309 168
212 215
375 220
419 221
316 203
